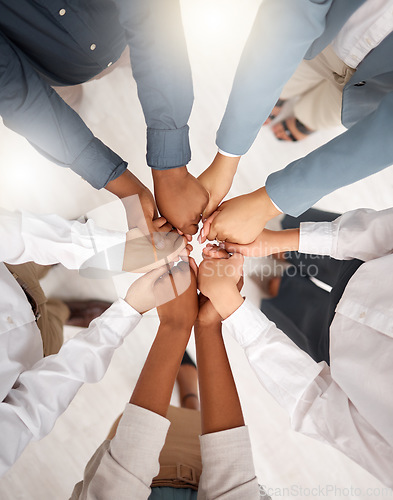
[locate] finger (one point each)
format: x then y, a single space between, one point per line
154 275
215 252
234 247
206 227
161 221
194 266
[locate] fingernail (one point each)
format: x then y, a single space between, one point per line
199 239
222 245
203 232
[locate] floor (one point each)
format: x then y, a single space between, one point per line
289 464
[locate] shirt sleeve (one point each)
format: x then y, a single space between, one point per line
129 462
363 150
360 234
31 108
161 68
49 239
280 37
227 475
317 406
41 394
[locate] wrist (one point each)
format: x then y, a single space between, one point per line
169 174
226 301
265 204
175 327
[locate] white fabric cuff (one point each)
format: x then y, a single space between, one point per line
316 238
246 323
230 155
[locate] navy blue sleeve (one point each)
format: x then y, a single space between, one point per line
161 68
30 107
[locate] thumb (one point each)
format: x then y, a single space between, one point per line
152 276
234 247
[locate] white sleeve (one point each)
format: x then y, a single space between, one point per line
360 234
125 467
317 406
41 394
49 239
228 475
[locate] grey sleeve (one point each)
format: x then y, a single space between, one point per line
161 68
31 108
361 151
280 37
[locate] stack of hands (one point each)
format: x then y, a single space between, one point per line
219 279
184 200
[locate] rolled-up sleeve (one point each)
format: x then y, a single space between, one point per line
124 467
31 108
228 475
161 68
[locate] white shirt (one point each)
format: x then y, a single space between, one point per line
34 391
350 404
124 468
365 29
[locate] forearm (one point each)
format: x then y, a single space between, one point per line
220 405
50 239
360 234
162 72
259 77
305 181
155 384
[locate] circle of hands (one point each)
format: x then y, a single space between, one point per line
237 224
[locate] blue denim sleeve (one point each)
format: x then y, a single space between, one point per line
30 107
361 151
161 68
280 37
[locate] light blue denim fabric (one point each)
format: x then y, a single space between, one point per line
173 494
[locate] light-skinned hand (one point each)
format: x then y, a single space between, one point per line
218 277
267 243
241 219
217 180
141 294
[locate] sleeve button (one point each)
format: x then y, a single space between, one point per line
93 46
62 12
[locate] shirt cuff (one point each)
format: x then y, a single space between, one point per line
98 165
230 155
139 440
246 323
168 148
219 462
316 238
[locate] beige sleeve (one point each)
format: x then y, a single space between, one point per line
129 462
228 468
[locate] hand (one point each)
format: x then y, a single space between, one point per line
179 283
207 315
180 197
218 279
240 219
137 199
144 253
267 243
217 180
141 294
